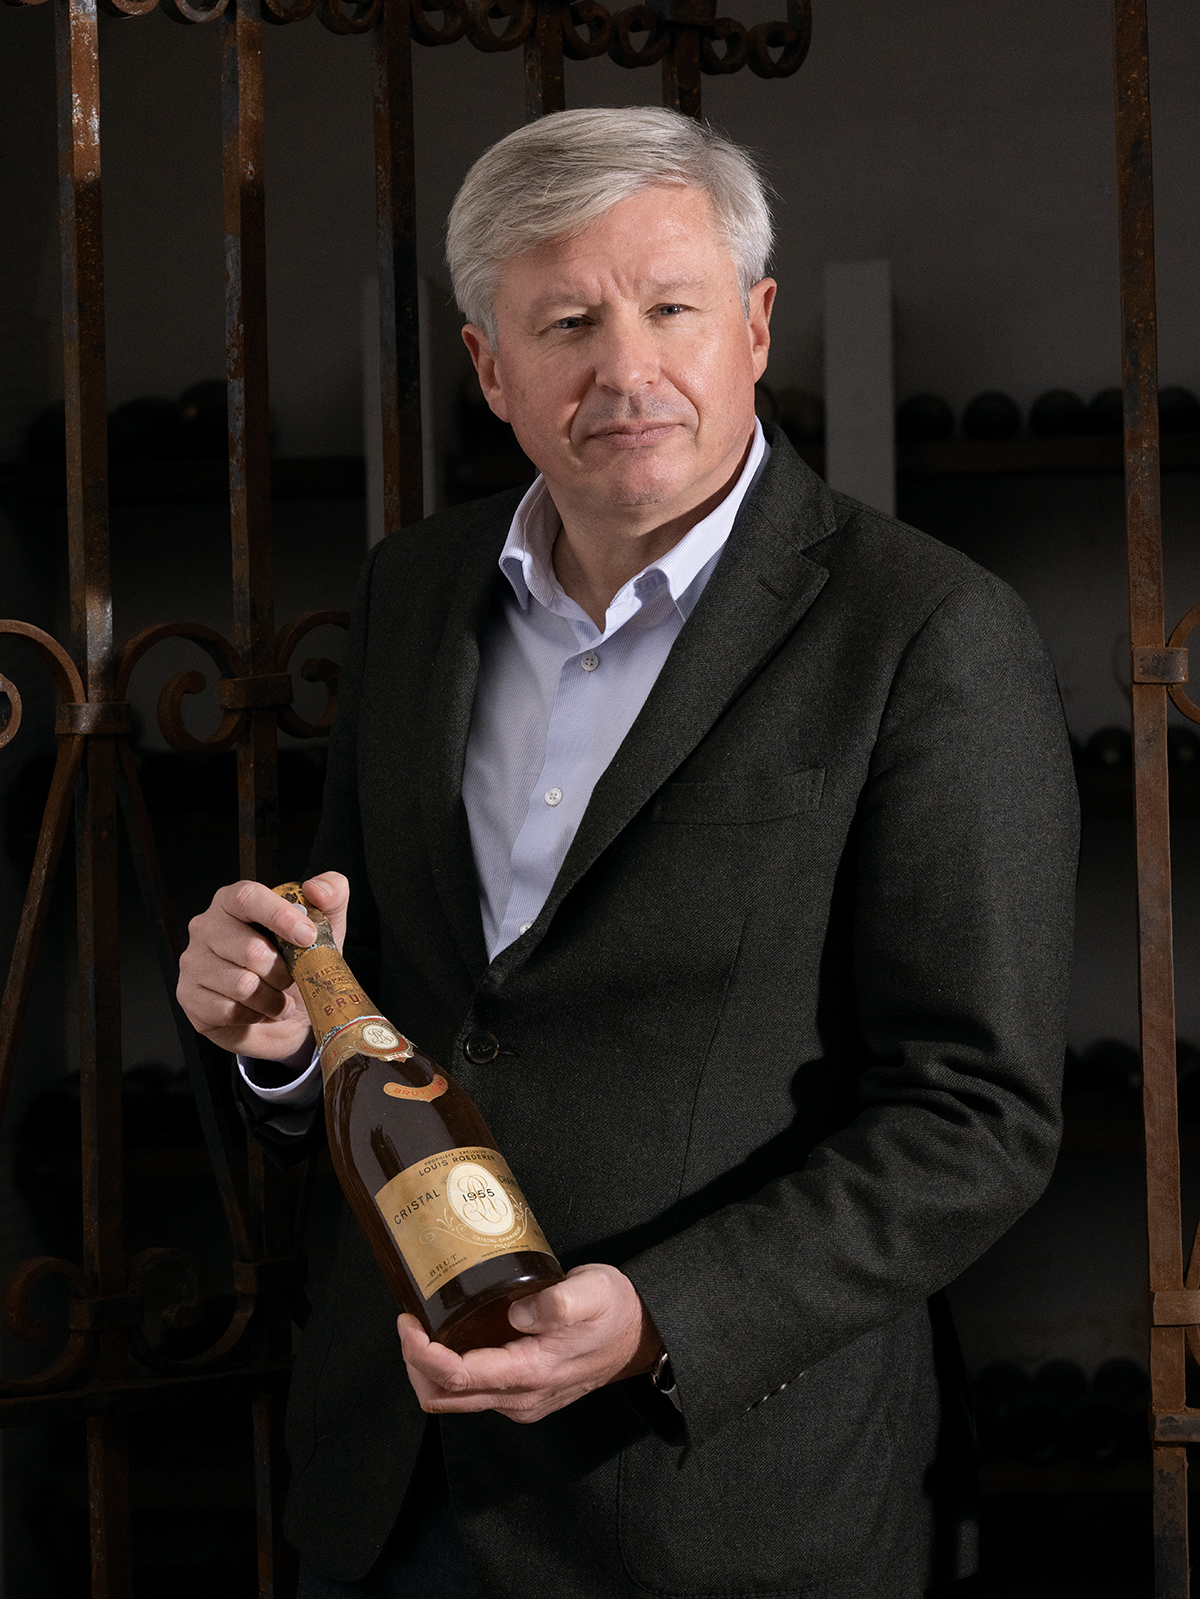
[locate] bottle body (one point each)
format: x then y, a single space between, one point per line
434 1196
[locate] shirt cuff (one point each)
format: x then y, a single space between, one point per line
301 1093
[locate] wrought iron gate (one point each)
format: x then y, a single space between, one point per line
108 1368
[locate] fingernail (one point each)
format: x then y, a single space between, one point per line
522 1316
304 933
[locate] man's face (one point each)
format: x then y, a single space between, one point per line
625 360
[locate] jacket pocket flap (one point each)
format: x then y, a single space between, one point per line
761 798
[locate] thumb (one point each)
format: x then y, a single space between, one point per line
330 892
548 1311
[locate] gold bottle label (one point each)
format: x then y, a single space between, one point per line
454 1210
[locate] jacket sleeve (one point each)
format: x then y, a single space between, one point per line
967 833
292 1136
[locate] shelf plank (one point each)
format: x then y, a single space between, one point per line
329 477
1002 1477
1012 457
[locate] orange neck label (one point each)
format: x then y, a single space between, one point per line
433 1090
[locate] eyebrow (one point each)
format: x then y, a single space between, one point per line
565 296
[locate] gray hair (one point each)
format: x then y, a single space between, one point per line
553 177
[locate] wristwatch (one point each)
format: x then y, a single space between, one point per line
663 1378
660 1373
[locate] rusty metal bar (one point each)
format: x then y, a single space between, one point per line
78 74
1156 980
545 88
254 639
681 73
396 233
249 422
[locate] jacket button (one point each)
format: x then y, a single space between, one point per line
481 1047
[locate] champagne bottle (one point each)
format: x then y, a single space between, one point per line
431 1191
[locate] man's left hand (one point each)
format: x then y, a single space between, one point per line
584 1332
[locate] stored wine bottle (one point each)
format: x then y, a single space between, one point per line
436 1199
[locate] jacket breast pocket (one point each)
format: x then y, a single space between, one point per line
761 797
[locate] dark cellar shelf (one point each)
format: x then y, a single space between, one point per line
1002 1477
344 476
1111 1124
1106 793
331 477
978 457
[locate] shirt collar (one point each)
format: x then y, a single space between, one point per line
526 560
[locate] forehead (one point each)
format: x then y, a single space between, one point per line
661 238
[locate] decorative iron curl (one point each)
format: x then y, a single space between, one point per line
62 668
423 31
791 38
184 11
314 670
170 701
128 8
361 16
1180 696
591 15
14 1311
182 1311
274 11
737 46
13 720
521 14
638 19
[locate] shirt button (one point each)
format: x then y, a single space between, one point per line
553 796
590 661
524 927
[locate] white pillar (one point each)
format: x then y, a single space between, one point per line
860 402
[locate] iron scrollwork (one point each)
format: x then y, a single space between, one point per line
163 1277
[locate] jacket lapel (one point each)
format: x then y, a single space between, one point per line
447 725
762 586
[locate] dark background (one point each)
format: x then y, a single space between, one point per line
969 145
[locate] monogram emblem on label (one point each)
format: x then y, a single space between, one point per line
479 1200
382 1037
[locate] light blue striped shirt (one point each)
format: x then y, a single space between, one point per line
556 697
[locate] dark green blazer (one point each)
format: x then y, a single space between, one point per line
784 1045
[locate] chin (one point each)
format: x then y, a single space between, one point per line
641 485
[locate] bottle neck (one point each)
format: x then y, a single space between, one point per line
344 1020
331 993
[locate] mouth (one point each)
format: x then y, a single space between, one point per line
634 435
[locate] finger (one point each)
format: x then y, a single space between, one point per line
256 904
330 893
243 989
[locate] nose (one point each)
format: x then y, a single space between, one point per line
626 354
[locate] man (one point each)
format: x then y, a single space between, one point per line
718 833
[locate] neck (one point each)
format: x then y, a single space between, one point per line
596 555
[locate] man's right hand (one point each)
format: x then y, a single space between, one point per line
233 987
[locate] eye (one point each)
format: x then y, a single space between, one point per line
568 323
669 310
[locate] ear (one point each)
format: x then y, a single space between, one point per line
477 342
762 302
